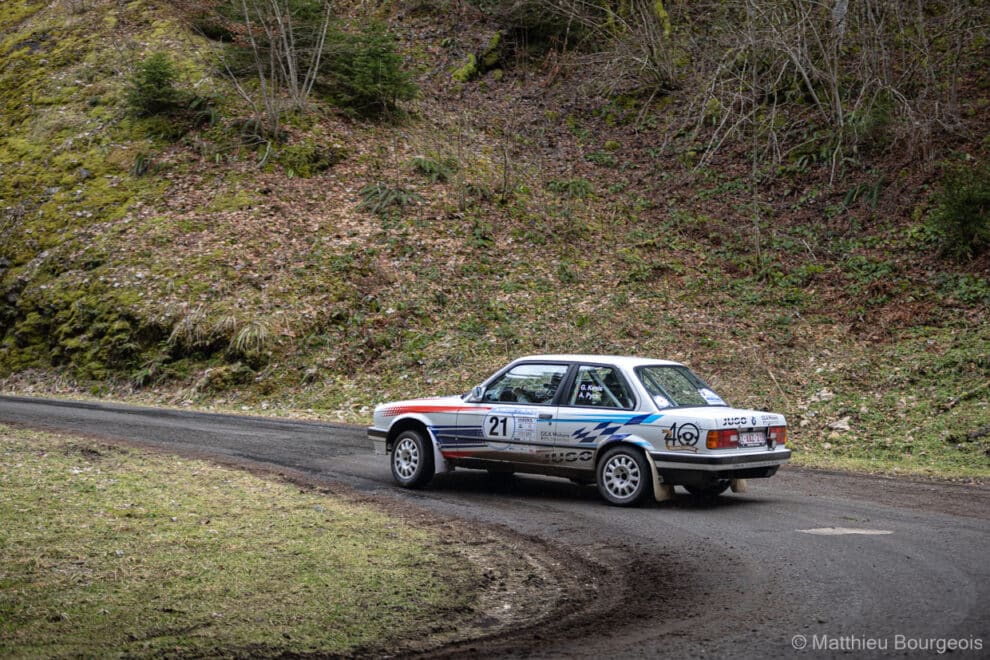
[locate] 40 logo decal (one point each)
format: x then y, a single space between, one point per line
682 437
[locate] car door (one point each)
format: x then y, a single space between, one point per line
516 419
597 406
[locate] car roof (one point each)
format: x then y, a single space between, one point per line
627 361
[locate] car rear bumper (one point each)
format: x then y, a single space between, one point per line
742 466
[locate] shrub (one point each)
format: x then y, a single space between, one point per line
435 170
252 341
602 158
963 212
379 197
152 86
142 164
363 72
577 188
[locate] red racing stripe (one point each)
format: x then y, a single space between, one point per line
404 410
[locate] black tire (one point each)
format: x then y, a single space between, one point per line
624 477
412 459
713 489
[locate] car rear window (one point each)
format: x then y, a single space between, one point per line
676 386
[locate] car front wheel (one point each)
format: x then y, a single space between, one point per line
624 477
412 459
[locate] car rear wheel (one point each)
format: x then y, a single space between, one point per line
713 489
624 477
412 459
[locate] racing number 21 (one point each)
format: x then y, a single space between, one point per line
498 426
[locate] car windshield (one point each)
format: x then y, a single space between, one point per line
675 386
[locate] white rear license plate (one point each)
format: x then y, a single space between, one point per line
752 439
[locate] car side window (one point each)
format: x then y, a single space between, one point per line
600 387
527 383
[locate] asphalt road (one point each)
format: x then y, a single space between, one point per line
806 564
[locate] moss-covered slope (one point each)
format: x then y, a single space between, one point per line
354 261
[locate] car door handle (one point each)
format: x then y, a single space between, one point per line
546 416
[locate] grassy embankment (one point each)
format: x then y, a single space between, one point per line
106 550
163 267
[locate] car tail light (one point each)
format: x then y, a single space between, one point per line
778 435
724 439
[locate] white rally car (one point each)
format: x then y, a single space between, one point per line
634 426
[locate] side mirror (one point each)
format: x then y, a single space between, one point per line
474 396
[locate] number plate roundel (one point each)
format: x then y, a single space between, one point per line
499 426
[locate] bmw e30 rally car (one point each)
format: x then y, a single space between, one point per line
634 426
